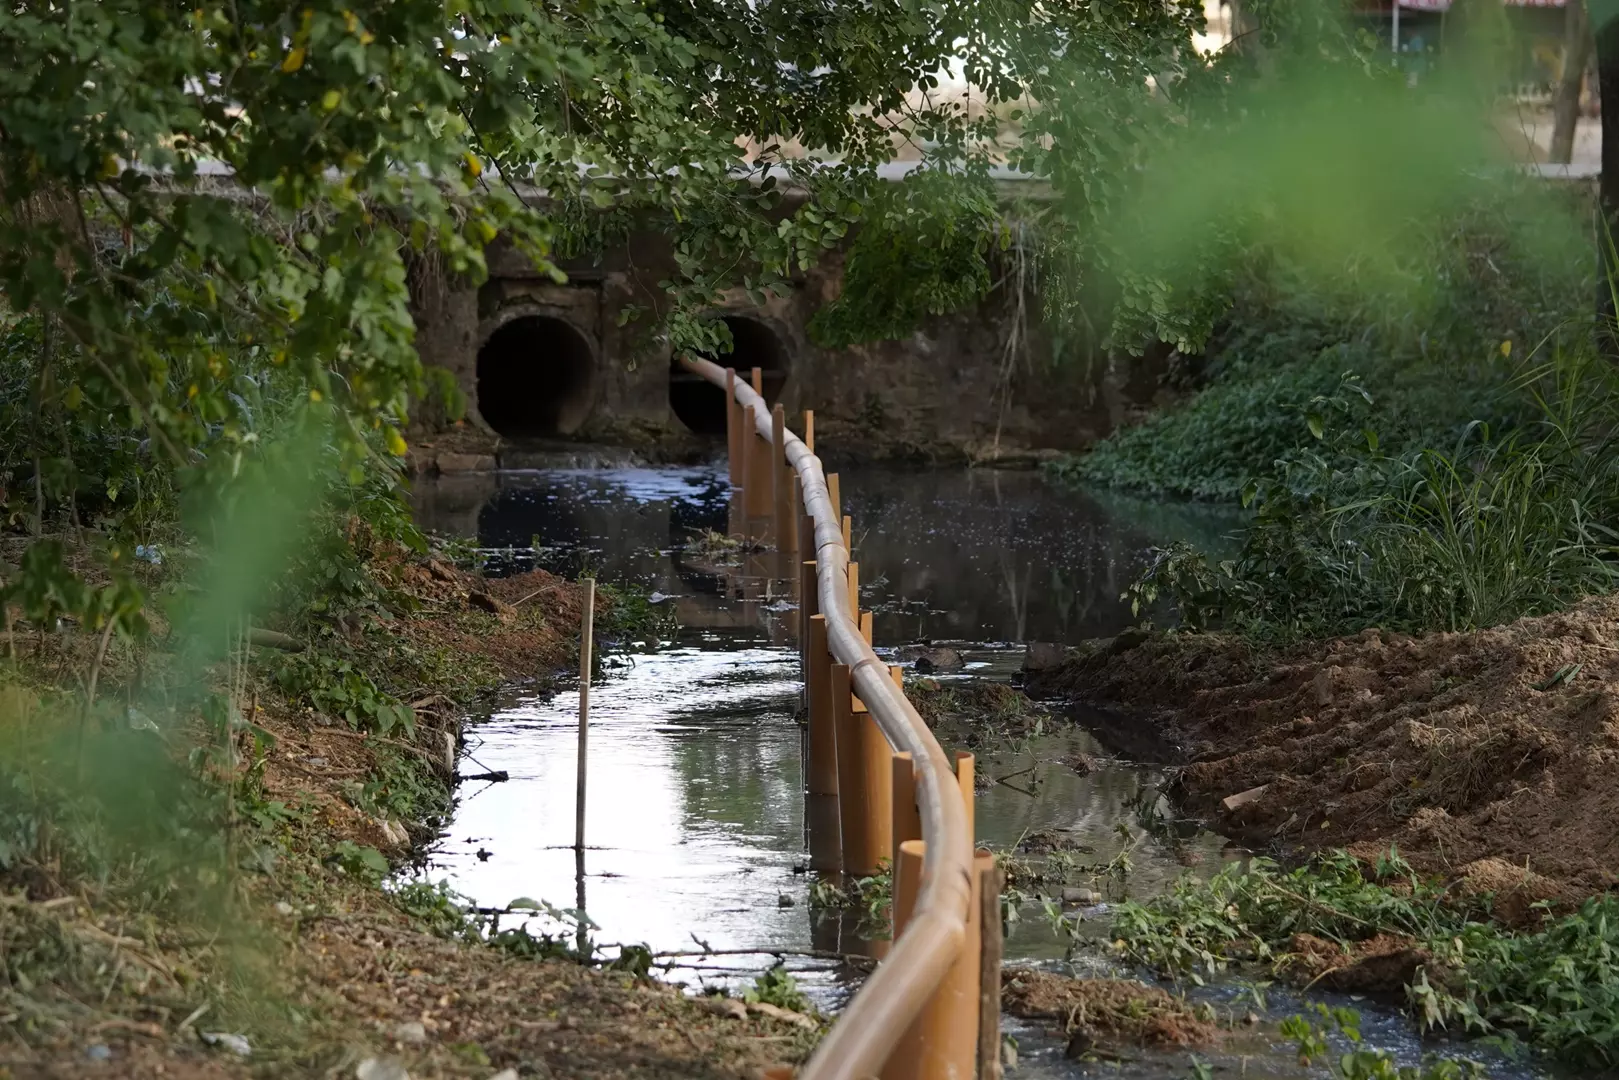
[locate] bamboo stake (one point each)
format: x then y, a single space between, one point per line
586 635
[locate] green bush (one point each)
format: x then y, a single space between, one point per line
1494 527
1555 986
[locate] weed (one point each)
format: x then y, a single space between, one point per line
777 987
1497 526
1555 986
870 896
358 861
1362 1063
631 616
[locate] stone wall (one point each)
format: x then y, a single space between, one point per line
559 363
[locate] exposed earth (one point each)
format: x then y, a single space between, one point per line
1487 756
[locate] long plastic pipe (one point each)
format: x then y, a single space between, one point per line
875 1020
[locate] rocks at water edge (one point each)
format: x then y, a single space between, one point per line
928 659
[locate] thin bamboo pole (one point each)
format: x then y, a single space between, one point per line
586 637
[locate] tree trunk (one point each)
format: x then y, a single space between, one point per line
1577 44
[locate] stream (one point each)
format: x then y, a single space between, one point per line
695 814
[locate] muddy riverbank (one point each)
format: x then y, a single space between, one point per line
1485 756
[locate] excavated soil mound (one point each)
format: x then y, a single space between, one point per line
1489 755
1104 1013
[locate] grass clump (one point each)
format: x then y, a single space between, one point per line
1554 986
1496 526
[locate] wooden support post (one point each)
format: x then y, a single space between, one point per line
823 747
965 778
852 810
807 606
865 626
991 948
756 377
809 430
832 496
733 427
781 476
878 775
848 535
740 493
759 487
907 820
943 1040
854 590
907 880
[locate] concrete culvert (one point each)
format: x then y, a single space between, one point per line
700 405
536 377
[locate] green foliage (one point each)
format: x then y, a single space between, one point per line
1494 528
870 896
1555 986
1362 1063
359 861
335 687
922 248
1198 928
777 987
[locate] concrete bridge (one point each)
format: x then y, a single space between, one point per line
545 365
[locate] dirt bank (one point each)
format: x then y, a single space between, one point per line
1488 755
255 936
1104 1015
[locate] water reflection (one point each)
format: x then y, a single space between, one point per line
944 554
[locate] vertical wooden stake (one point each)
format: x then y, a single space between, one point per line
823 745
757 485
781 476
852 811
848 535
741 491
907 820
965 774
832 496
809 430
854 590
877 774
733 425
991 949
757 378
586 635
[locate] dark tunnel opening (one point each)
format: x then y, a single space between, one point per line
535 377
699 404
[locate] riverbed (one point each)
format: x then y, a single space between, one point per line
695 815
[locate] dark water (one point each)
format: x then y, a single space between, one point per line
695 815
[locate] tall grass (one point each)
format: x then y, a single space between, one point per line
1498 525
